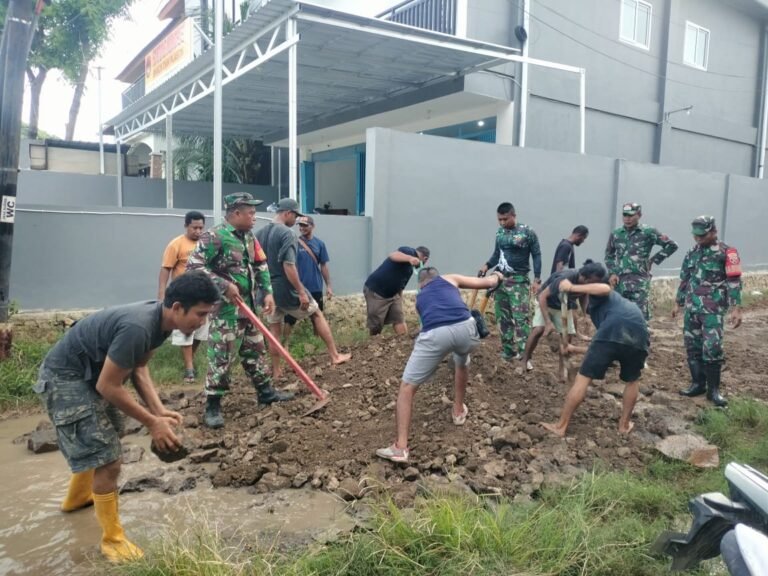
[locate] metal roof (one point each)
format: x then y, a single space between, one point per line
344 61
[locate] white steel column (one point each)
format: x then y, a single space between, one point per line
119 171
169 161
583 110
217 109
101 125
524 76
293 168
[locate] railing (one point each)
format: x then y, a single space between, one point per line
435 15
133 92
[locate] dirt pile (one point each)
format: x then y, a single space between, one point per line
500 449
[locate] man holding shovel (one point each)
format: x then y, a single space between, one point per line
81 386
232 257
516 244
291 296
621 336
447 326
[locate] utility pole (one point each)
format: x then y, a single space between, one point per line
101 126
20 24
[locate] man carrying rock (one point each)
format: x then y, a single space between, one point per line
710 285
81 386
312 263
174 264
384 287
621 336
446 327
232 257
516 244
628 257
291 296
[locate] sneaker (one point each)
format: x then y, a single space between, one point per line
529 366
461 418
393 453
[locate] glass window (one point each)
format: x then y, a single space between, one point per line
636 19
696 50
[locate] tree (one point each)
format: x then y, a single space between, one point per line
245 161
70 34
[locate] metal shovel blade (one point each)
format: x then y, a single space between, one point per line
317 406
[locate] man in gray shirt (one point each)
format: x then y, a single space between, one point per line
81 386
291 297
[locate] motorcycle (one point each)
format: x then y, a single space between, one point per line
735 528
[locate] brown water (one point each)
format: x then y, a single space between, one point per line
37 538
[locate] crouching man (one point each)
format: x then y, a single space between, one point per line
446 326
81 386
621 336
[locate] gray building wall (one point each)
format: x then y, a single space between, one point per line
65 189
443 193
64 258
629 88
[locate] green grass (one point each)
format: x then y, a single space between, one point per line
18 373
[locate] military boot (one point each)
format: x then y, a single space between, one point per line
213 417
268 395
698 379
712 371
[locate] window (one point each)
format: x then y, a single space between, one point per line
696 51
636 23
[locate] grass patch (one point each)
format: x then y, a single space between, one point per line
18 373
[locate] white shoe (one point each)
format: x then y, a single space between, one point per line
529 366
461 418
393 453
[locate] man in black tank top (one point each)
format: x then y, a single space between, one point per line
447 327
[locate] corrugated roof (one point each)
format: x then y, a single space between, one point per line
338 68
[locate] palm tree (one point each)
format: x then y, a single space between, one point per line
245 161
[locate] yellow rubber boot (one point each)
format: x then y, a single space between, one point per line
114 545
80 492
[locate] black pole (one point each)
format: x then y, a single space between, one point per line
20 23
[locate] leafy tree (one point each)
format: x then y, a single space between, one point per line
244 161
70 34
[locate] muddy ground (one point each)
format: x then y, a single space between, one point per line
501 449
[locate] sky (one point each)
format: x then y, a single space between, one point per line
128 37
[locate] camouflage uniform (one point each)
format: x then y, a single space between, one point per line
229 255
628 256
707 293
511 256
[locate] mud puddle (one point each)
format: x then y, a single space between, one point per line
36 538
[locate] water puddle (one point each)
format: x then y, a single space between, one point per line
36 538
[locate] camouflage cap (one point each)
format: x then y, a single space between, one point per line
231 200
631 208
702 225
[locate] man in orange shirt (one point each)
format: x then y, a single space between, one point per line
174 265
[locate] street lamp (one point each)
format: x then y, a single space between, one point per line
686 109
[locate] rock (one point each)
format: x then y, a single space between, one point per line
495 468
332 484
300 479
278 447
41 441
254 439
623 451
132 453
507 436
535 432
690 448
179 484
272 481
204 456
450 460
349 489
150 481
411 474
614 389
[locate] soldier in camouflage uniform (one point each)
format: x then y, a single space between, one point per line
710 284
233 258
516 244
628 257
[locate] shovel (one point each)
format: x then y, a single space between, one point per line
565 359
323 397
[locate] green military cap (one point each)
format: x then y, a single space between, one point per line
630 208
702 225
231 200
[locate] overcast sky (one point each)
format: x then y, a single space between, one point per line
128 37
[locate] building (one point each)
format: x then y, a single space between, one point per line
674 82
